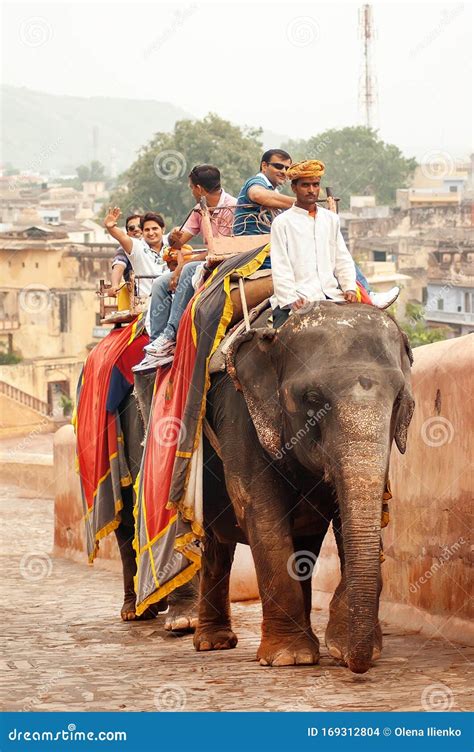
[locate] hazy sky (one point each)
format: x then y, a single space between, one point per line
289 67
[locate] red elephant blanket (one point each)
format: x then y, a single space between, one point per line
169 520
100 459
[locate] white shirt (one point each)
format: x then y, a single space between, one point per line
309 257
145 260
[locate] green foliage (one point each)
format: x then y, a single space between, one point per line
158 179
8 359
417 331
94 171
67 404
357 162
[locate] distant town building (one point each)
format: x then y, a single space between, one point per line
49 313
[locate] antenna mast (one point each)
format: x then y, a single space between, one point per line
367 84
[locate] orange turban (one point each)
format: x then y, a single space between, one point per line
309 168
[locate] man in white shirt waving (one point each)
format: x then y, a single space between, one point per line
145 253
310 260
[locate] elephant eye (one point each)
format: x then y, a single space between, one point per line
312 396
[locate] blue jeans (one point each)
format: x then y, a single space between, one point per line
166 310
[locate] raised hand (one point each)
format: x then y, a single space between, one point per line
112 217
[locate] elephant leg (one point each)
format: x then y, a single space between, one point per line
306 556
182 616
262 501
337 630
124 535
287 637
214 630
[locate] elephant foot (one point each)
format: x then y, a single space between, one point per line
182 617
181 624
338 648
128 612
215 638
337 630
295 650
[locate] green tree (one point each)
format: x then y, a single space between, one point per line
94 171
357 162
158 179
416 329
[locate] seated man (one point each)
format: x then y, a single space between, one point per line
260 201
166 310
310 260
143 253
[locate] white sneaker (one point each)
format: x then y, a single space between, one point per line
159 345
384 299
147 364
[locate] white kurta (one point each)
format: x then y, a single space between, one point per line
309 257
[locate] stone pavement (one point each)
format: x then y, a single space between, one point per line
65 647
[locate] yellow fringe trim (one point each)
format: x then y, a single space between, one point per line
104 531
187 512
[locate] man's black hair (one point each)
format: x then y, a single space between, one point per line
152 217
207 176
274 153
132 216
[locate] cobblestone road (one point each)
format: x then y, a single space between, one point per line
65 647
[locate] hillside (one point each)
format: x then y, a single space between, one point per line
43 131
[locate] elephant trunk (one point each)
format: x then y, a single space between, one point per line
360 479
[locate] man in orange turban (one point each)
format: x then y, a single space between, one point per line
310 260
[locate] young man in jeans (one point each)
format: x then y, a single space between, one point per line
165 309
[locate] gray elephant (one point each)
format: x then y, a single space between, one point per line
305 417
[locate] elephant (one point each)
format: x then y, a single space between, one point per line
304 417
181 605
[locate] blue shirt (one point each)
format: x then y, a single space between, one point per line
122 258
249 217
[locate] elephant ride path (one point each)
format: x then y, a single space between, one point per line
66 650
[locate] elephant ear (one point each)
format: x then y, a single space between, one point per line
250 366
406 401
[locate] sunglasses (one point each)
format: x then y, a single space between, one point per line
131 228
279 166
